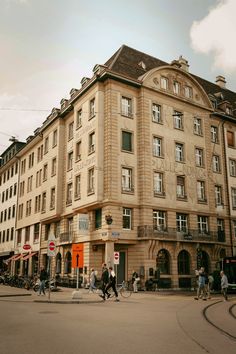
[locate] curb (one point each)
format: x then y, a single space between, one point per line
68 302
13 295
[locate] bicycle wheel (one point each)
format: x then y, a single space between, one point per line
125 293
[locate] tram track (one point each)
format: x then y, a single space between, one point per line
212 323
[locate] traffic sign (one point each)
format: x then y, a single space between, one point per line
51 248
116 257
77 255
26 247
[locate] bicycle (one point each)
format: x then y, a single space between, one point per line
122 289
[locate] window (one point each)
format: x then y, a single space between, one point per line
179 152
57 228
197 126
69 193
180 187
216 163
20 211
234 227
78 151
37 205
218 195
53 198
77 186
28 208
176 87
201 193
40 153
156 113
163 261
54 166
29 184
158 186
54 138
91 180
159 220
98 218
233 196
126 106
45 172
13 210
36 232
127 180
199 157
178 120
183 263
182 222
127 218
221 230
44 199
230 139
38 178
214 134
19 235
27 234
31 160
92 108
23 165
46 143
188 92
12 233
127 141
70 161
70 131
164 83
202 224
157 146
79 119
91 142
232 167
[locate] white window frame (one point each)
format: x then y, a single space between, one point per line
197 124
126 106
159 220
199 157
158 183
179 152
127 179
201 191
156 113
127 213
157 146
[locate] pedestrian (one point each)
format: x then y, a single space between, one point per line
224 285
112 283
92 280
105 281
42 278
201 290
210 285
135 280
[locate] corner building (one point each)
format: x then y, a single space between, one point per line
142 143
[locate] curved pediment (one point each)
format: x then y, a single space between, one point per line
178 83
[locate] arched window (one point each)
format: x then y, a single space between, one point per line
205 261
222 253
58 263
68 263
163 262
183 262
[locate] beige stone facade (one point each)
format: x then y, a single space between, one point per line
151 152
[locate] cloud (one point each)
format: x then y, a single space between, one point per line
214 35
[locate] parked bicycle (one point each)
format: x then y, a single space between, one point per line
122 289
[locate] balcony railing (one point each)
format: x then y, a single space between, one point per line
66 237
148 231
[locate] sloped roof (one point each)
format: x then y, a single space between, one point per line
126 62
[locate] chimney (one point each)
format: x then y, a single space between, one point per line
220 81
183 63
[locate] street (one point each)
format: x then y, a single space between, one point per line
144 323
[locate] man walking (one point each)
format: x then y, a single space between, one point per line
112 283
201 290
42 277
224 285
105 281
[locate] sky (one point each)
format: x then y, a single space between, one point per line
48 46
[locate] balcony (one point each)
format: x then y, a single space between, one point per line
149 232
66 237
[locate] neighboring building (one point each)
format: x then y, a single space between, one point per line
9 167
144 164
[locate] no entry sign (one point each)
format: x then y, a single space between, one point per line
116 257
51 248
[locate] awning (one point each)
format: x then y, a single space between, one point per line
11 258
2 254
29 256
18 256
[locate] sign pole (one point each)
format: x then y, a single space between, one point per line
49 271
77 270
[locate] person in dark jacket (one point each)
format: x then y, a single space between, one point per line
105 281
112 283
42 277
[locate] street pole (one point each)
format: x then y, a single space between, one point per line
49 271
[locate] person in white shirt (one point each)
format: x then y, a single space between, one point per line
224 284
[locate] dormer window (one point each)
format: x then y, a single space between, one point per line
228 110
176 87
142 64
188 92
164 83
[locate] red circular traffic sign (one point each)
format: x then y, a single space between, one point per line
26 247
51 245
116 255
